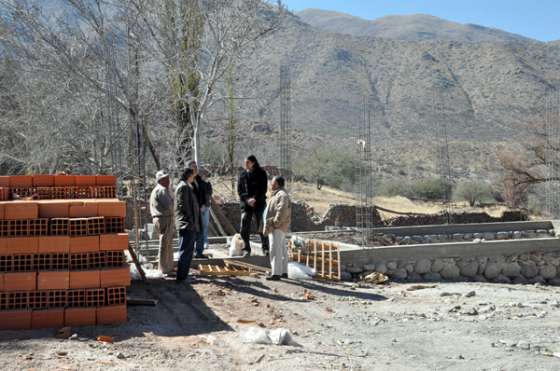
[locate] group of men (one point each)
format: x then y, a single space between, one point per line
188 212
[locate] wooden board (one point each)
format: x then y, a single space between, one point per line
216 270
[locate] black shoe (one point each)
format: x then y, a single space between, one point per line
246 253
273 278
285 275
201 256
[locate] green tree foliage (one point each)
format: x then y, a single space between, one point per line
473 192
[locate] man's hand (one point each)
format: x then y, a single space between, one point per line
251 202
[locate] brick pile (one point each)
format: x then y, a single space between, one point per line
62 261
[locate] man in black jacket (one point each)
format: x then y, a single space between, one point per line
203 191
187 218
252 187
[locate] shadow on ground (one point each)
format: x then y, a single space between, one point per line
180 312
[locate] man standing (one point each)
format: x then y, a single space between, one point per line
187 217
278 217
161 208
252 187
203 191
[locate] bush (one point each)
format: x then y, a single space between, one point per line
434 189
334 167
473 192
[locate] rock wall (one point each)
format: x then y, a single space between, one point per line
519 269
460 218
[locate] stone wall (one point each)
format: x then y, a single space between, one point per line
458 218
524 268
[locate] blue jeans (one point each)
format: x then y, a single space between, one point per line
202 236
186 249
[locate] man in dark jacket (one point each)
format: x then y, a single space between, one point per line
252 187
203 191
187 219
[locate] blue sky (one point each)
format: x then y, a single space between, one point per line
538 19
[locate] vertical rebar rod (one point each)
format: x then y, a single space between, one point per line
285 122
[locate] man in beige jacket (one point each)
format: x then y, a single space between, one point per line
278 215
162 210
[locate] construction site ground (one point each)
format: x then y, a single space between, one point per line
343 326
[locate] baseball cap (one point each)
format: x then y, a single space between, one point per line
161 174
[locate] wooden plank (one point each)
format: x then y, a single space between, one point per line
322 259
330 263
141 302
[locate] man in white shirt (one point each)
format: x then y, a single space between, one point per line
162 210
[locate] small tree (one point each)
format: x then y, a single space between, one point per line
473 192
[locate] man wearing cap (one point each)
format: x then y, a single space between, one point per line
162 210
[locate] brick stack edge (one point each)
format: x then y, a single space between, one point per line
62 260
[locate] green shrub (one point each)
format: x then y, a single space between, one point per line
433 189
473 192
334 167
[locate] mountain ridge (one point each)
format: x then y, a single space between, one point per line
416 27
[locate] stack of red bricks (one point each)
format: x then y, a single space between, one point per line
62 262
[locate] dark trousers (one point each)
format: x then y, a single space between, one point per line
186 249
247 216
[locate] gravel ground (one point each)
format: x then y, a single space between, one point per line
446 326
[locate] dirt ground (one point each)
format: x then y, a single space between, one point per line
446 326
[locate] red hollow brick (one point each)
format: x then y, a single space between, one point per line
1 282
5 181
86 210
84 279
111 315
54 209
50 318
21 181
15 320
21 210
52 244
115 277
113 242
2 208
22 245
112 208
84 244
79 316
43 180
53 280
20 281
64 180
85 180
106 180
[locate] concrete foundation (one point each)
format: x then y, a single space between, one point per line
517 252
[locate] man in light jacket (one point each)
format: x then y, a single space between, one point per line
187 218
161 208
278 216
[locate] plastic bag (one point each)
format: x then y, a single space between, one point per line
298 271
150 273
236 246
257 335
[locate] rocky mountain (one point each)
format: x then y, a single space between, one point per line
484 94
417 27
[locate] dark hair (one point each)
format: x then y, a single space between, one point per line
280 180
187 174
254 160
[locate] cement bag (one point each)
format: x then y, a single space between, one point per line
298 271
255 335
236 246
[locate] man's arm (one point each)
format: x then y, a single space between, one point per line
263 185
242 189
181 204
281 209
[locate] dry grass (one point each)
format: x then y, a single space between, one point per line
321 200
